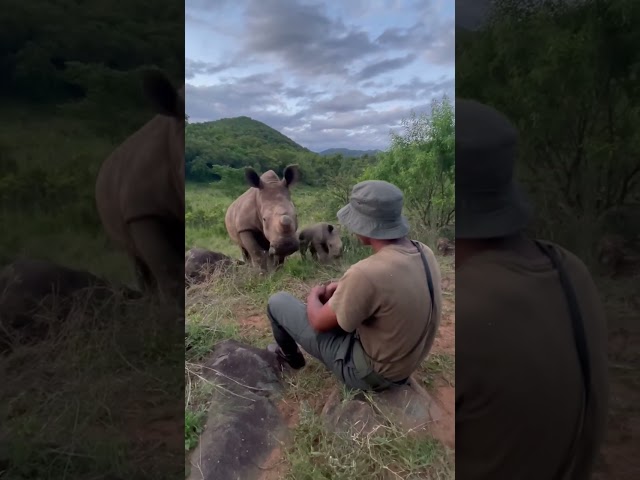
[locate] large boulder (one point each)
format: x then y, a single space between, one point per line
244 427
410 408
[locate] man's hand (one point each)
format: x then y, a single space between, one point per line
317 293
330 289
321 317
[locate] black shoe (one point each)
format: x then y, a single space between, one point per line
295 361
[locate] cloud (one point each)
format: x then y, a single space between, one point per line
326 74
303 37
198 67
435 41
316 120
384 66
208 5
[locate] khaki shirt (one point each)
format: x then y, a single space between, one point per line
519 384
385 297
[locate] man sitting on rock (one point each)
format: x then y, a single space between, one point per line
531 338
374 326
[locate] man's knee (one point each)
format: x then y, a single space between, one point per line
279 301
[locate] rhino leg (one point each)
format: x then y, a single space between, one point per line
323 253
257 254
277 262
245 255
156 247
146 280
304 245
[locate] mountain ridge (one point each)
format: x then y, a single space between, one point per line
348 152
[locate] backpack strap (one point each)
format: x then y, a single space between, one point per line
582 349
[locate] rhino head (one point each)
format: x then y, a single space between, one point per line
169 103
334 242
275 210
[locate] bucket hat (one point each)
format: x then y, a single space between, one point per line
489 202
375 211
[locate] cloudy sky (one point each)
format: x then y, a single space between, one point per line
326 73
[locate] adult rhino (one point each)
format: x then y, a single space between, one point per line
140 192
263 220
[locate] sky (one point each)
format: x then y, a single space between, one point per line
325 73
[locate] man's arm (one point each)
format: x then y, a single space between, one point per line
345 305
321 316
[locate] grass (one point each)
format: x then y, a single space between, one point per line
390 453
47 206
439 366
95 396
103 394
233 305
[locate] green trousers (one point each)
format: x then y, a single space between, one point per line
339 351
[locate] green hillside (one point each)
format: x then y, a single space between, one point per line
219 150
347 152
237 142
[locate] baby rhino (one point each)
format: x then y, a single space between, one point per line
323 240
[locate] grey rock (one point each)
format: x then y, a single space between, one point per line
410 408
244 426
199 263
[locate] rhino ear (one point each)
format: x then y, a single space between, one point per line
162 94
253 179
291 175
331 228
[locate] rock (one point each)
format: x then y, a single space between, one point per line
33 293
199 263
244 426
354 415
410 408
241 366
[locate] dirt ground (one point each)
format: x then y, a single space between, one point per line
619 458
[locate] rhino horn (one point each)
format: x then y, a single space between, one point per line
286 220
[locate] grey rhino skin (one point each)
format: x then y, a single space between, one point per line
140 193
30 287
263 220
199 262
323 241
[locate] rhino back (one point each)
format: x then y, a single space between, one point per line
317 232
242 214
138 178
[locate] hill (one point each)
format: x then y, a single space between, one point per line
347 152
220 149
237 142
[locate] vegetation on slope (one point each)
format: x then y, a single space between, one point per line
218 151
70 93
576 168
347 152
567 74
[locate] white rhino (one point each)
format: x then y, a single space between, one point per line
263 220
140 192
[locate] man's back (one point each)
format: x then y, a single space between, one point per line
390 289
519 387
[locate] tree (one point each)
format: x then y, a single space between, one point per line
421 162
576 167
